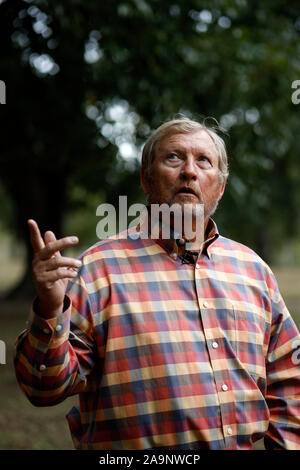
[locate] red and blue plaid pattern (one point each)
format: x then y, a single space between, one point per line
168 354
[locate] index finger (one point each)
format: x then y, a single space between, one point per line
36 239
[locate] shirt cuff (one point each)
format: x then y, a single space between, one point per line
51 329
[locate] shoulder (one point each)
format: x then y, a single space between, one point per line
233 250
238 258
107 244
121 245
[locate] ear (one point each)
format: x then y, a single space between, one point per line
144 180
222 190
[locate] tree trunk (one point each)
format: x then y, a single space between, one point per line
42 198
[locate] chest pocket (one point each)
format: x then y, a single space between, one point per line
243 328
249 340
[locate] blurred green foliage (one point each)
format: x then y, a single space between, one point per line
86 81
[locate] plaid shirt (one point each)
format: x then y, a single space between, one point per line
169 354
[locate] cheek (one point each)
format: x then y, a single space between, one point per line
163 180
210 186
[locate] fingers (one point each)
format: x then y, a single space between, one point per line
46 272
36 239
62 262
50 245
48 238
53 246
61 273
49 266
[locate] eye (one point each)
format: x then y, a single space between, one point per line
204 161
172 157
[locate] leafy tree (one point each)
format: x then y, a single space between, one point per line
73 68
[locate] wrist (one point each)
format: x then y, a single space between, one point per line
47 311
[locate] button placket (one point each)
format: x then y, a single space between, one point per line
217 352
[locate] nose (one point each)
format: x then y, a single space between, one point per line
189 169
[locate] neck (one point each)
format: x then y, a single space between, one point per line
191 226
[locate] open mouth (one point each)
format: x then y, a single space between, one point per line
186 191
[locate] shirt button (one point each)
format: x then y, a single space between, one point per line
205 304
46 331
58 327
224 388
42 367
215 345
229 431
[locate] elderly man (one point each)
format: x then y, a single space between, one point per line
167 347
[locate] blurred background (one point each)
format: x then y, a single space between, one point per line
86 82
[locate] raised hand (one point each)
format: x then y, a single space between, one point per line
51 270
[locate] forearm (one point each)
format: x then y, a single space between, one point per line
48 367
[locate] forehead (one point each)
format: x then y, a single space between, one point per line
196 142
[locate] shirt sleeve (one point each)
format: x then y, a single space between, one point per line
283 378
55 356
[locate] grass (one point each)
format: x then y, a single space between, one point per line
24 426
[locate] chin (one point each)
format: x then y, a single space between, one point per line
195 210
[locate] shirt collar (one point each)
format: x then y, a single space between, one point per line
174 245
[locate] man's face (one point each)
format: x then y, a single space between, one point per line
185 170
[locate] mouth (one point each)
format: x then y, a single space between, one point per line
186 191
